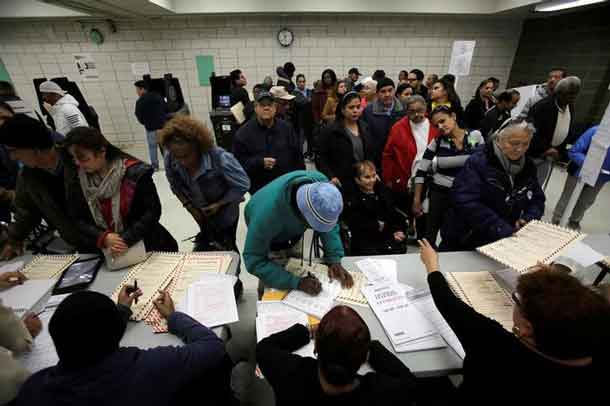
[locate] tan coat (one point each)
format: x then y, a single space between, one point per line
14 338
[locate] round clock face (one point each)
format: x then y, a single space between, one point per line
285 37
96 36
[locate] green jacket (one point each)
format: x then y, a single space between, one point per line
271 219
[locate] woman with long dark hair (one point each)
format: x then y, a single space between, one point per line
111 195
480 103
345 142
321 93
443 94
330 108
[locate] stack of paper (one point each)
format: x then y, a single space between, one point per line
378 271
211 300
403 323
422 299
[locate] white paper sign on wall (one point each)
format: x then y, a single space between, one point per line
140 68
461 57
86 66
597 151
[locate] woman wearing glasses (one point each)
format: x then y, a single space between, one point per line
451 149
496 193
406 144
345 142
556 354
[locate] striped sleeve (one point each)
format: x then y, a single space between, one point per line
425 165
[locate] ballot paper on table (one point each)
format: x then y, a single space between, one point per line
211 300
134 255
22 298
403 323
274 316
318 305
422 299
583 254
378 271
43 353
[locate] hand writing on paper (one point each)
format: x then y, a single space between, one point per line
336 271
33 324
164 304
128 294
115 244
310 285
10 279
429 257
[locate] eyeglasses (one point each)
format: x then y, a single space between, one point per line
516 299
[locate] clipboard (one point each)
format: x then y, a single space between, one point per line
134 255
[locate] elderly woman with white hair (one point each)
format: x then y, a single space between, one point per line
496 193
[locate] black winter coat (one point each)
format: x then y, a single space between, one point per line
336 155
486 205
543 115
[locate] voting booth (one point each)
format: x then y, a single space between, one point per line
223 122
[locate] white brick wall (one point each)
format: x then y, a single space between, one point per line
36 49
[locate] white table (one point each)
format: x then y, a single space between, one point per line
412 272
139 334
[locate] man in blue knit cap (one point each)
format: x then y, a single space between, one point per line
278 215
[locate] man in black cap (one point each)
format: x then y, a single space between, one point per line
93 369
40 192
267 147
381 115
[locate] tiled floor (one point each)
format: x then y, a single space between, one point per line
254 391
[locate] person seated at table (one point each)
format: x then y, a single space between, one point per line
16 337
342 344
369 213
111 196
556 353
94 370
496 193
39 193
277 217
209 182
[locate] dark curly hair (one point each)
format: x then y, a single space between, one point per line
184 129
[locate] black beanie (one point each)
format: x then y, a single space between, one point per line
24 132
85 328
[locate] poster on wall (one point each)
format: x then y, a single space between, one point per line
140 68
87 69
461 57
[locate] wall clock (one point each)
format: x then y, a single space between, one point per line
285 37
96 36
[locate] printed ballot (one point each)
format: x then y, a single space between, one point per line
402 323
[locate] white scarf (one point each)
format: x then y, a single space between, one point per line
109 187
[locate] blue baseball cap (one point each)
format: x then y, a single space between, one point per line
321 204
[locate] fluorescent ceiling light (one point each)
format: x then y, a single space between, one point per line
557 5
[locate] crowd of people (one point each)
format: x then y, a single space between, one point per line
396 164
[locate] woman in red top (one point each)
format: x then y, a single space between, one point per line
406 144
111 195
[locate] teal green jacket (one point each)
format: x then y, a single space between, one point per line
271 219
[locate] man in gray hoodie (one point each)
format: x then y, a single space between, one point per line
544 90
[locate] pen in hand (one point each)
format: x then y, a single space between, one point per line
135 286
